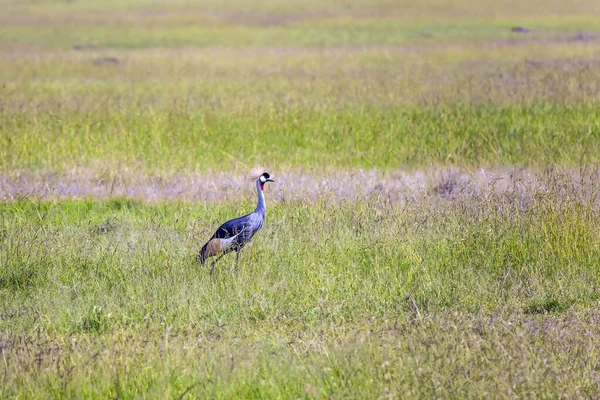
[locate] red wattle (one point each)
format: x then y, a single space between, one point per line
262 187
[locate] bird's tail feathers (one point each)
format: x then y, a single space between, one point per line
202 256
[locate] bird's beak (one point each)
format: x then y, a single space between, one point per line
270 180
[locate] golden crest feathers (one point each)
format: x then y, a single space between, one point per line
255 172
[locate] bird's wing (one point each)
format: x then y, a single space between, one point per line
233 228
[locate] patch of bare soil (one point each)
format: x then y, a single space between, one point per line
446 184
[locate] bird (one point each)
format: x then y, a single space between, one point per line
233 235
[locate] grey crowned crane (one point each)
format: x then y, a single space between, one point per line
233 235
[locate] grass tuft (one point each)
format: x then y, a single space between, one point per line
546 306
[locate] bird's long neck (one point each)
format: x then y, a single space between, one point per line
261 206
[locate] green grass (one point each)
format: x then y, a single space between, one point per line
454 290
110 291
386 138
378 85
53 25
159 111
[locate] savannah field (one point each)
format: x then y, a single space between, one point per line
433 232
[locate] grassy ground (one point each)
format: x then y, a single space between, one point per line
474 99
433 231
282 23
504 297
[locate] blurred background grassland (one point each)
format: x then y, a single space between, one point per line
298 84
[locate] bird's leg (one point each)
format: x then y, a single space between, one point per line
212 268
237 259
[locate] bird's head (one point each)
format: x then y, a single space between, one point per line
264 178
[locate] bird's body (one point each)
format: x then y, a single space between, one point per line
233 235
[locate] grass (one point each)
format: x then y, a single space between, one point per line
313 91
433 232
382 138
54 25
360 110
112 287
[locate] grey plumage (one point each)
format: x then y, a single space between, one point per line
234 234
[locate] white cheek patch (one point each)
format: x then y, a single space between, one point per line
263 179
